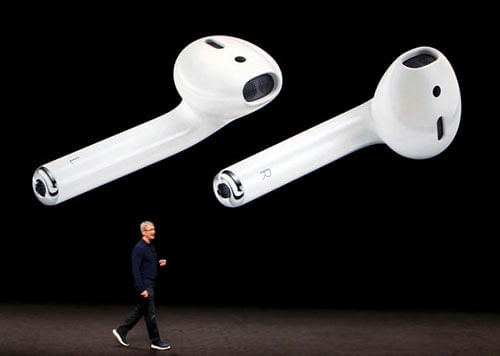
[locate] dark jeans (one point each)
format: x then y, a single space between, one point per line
144 307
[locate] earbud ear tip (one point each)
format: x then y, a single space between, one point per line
416 108
225 77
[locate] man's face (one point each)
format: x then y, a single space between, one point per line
149 232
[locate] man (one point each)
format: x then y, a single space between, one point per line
144 269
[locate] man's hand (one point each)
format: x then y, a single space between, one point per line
145 293
162 262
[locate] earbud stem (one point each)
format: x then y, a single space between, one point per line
118 155
297 156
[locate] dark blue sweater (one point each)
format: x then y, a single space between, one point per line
144 265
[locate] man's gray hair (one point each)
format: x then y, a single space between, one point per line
145 224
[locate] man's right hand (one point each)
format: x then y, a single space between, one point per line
145 293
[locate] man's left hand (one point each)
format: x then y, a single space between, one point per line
162 263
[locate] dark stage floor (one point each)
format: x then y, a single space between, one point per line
86 330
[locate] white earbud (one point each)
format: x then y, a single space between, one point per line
219 78
415 111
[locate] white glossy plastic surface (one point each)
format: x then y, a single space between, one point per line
210 81
408 107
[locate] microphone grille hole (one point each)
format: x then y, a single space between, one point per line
223 190
40 187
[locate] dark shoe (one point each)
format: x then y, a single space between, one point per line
160 345
120 337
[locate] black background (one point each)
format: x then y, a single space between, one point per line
373 229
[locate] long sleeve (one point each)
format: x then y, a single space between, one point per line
137 258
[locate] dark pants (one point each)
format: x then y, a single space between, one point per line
144 307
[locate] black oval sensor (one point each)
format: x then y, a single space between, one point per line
258 87
420 60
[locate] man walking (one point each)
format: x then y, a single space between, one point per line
144 269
